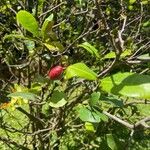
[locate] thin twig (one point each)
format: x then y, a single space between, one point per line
62 3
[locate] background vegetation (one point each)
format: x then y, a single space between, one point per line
101 101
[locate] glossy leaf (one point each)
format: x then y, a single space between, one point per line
58 99
91 49
80 70
23 95
127 84
28 22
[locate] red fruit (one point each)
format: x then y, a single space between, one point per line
55 72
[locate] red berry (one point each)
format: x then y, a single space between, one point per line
55 72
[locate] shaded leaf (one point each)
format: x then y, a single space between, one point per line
94 98
113 100
58 99
29 44
91 49
47 26
111 142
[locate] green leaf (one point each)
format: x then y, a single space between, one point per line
47 27
127 84
80 70
94 99
146 24
24 95
111 142
51 47
114 100
89 127
110 55
87 115
58 99
28 22
132 1
58 45
91 49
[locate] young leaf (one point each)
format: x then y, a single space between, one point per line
91 49
127 84
80 70
89 127
28 22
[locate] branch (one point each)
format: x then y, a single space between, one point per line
119 120
62 3
141 123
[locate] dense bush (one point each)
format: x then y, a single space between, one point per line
75 74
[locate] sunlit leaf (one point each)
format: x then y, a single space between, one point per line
80 70
28 22
87 115
127 84
113 55
89 127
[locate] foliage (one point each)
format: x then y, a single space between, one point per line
101 100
